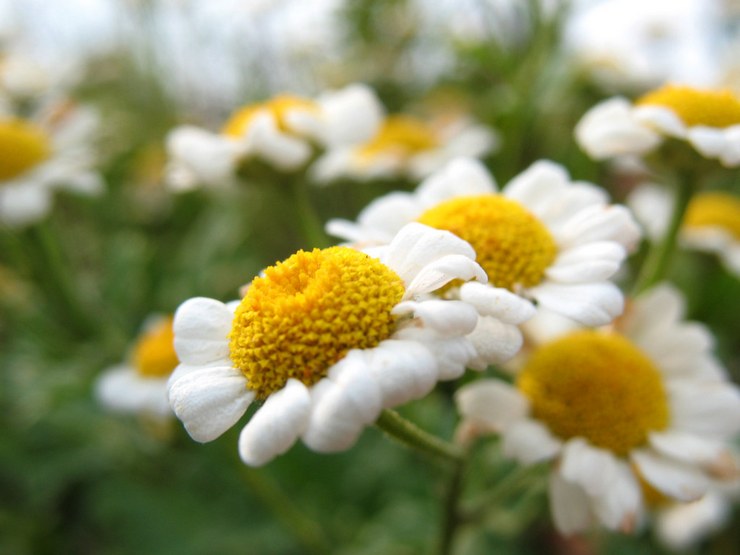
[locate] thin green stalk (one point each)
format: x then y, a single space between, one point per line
304 529
515 480
311 225
412 436
660 254
451 512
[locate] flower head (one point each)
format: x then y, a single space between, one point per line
708 120
51 149
543 238
140 384
407 146
282 131
325 340
645 408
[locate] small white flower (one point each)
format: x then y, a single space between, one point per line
711 223
282 131
542 239
326 339
51 150
649 404
708 120
139 385
406 146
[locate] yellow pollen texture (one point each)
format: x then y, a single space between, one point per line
154 353
597 386
720 108
401 135
307 312
714 210
239 122
512 246
22 146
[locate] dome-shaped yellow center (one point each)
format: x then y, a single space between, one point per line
719 108
22 146
512 246
597 386
307 312
239 122
154 353
401 135
714 209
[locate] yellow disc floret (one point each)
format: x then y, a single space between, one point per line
154 353
512 246
22 146
402 136
307 312
278 107
719 108
721 210
596 386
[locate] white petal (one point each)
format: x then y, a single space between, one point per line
709 141
675 479
569 505
620 507
350 115
705 407
446 317
591 304
23 204
379 221
683 525
491 402
538 186
351 400
440 272
662 119
591 467
275 427
122 389
497 302
494 342
451 353
209 401
280 149
201 328
529 442
586 263
600 223
689 448
404 370
460 177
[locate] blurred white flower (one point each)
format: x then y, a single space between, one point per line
647 403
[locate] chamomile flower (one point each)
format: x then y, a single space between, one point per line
53 149
619 414
711 223
139 385
407 146
324 341
281 131
542 239
708 120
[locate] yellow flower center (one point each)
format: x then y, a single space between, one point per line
307 312
596 386
278 107
154 353
512 246
401 136
695 106
714 210
22 146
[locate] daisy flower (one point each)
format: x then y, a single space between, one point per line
620 415
140 384
708 120
53 149
281 131
406 146
543 239
711 223
324 341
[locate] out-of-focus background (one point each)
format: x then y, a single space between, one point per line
76 288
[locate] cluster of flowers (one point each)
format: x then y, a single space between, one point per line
624 399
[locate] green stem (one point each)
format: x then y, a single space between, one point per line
451 515
660 254
515 480
305 530
311 225
411 435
